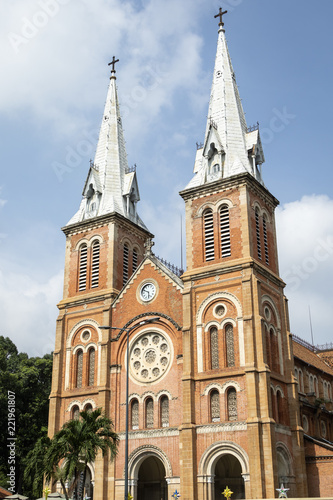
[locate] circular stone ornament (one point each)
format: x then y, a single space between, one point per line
150 357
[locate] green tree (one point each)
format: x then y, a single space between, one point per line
72 448
30 380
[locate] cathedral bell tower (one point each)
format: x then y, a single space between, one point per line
235 323
105 244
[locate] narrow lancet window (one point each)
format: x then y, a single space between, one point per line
258 234
214 348
149 413
135 414
91 378
229 340
209 235
232 404
125 264
225 231
215 406
164 411
83 254
135 260
79 368
264 225
95 264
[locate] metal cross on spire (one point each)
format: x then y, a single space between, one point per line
112 63
220 15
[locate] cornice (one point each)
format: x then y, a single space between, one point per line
229 183
103 220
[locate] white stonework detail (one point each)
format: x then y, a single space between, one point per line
150 356
231 383
84 322
110 186
227 427
147 434
229 147
214 385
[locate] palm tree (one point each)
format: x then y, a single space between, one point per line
75 446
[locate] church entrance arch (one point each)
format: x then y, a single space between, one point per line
148 469
228 472
224 464
151 481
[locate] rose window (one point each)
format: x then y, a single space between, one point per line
150 357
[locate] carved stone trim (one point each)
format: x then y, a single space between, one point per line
227 427
147 434
159 314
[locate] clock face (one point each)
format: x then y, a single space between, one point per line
147 292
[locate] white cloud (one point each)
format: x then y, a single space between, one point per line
56 63
305 243
28 310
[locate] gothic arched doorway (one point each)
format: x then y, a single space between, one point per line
228 472
151 480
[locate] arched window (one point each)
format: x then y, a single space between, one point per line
264 225
164 411
135 260
215 406
88 408
83 253
229 341
79 367
232 404
75 412
273 398
135 414
125 264
214 348
311 384
279 405
91 367
316 388
149 413
95 264
301 380
258 233
225 231
209 235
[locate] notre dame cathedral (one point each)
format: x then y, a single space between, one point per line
219 392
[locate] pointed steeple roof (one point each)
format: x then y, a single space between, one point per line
229 148
110 186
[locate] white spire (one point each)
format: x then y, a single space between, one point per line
110 186
230 148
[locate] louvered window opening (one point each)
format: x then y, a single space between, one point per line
150 414
83 268
125 265
214 348
95 264
264 223
232 405
229 339
79 369
91 367
135 415
225 231
209 235
135 260
165 411
215 406
258 235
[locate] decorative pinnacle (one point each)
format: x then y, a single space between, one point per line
220 15
112 63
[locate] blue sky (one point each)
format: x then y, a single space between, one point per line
52 93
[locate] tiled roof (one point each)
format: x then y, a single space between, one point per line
4 493
311 358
